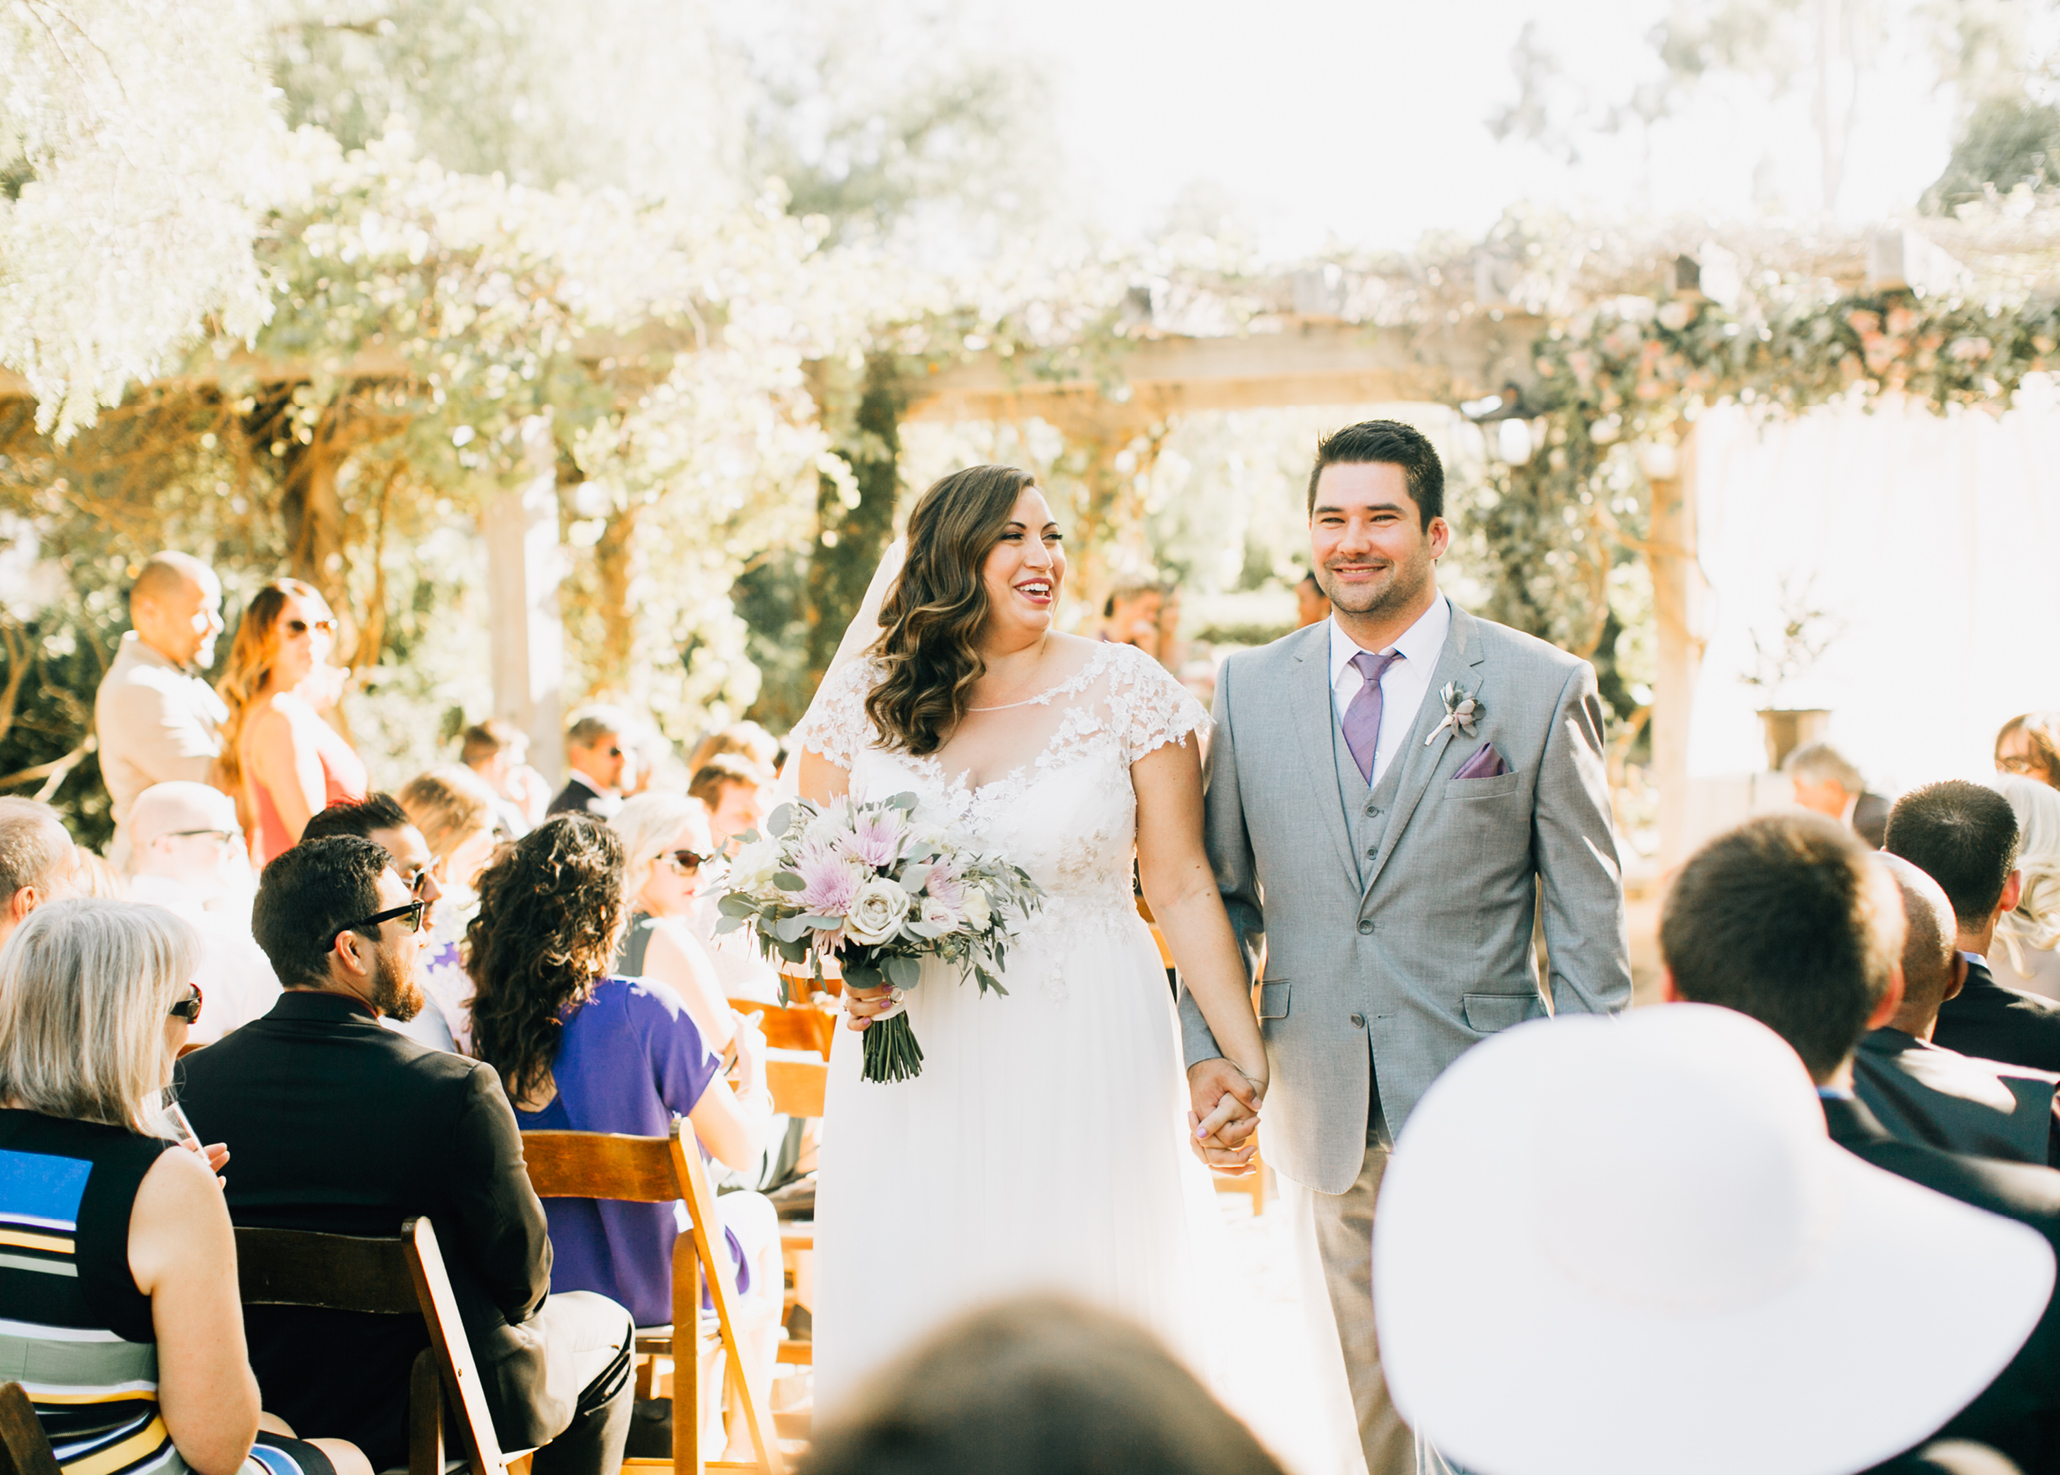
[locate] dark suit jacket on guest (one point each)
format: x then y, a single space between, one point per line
337 1124
1870 819
578 797
1991 1022
2019 1413
1925 1093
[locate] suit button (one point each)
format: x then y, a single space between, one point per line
1359 1021
1371 810
1364 928
1373 852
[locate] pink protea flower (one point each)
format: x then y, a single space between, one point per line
829 881
876 838
946 886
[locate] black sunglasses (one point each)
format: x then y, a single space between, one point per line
221 837
686 862
410 917
301 627
188 1008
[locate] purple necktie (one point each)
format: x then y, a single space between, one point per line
1362 716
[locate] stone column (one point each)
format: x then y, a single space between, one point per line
525 563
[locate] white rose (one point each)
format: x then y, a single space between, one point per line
876 913
754 866
978 914
940 916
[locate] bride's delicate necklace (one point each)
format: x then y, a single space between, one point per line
1006 706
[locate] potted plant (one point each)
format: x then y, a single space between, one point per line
1781 658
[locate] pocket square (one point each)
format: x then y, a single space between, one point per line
1486 763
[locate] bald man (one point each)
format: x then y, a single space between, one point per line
157 717
187 856
1925 1093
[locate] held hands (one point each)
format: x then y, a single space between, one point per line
216 1154
1224 1118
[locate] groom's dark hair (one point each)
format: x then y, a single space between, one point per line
1777 920
1394 444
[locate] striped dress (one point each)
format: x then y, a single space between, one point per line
74 1330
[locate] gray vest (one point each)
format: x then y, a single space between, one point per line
1367 811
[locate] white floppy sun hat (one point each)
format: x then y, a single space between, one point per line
1622 1246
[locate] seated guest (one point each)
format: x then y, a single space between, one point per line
2030 931
746 740
1677 1218
188 854
2030 745
95 877
499 753
119 1280
733 789
339 1125
1036 1386
1926 1093
1784 919
381 820
670 851
1311 603
279 757
1965 837
1826 782
580 1051
597 760
38 861
156 717
453 810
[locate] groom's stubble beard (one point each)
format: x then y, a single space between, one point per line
395 993
1406 583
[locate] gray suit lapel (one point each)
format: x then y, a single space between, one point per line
1459 661
1311 714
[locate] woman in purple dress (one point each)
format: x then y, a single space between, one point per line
581 1051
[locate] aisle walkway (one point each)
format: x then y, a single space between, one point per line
1274 1392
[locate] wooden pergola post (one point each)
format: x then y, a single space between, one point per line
524 564
1676 599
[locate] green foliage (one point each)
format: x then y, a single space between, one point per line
2006 141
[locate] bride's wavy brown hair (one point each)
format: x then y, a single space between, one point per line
931 619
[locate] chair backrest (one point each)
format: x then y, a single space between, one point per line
607 1165
392 1277
24 1447
794 1027
797 1084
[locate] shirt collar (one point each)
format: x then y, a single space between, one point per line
1421 644
318 1003
136 648
585 782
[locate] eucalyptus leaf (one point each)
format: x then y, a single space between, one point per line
734 905
902 971
788 881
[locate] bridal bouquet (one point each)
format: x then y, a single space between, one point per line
867 885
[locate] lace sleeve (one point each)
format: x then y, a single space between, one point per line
1151 709
836 725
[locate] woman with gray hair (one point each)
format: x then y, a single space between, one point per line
2030 932
120 1279
671 852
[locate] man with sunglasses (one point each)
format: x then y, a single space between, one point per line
338 1124
188 857
380 819
597 758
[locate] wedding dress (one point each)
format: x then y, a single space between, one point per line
1043 1145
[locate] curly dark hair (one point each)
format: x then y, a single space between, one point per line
933 615
550 915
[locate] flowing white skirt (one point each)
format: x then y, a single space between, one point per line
1042 1148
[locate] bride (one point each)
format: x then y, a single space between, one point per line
1042 1145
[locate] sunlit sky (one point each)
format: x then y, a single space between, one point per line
1362 121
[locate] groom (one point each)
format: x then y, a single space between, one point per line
1393 793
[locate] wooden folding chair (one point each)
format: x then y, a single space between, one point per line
404 1276
798 1086
792 1026
651 1170
24 1447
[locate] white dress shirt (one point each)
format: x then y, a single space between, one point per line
1404 684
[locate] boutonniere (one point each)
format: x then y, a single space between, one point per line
1462 710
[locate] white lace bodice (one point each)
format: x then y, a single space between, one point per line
1068 814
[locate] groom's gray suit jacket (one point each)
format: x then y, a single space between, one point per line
1401 917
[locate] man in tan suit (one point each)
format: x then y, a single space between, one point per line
158 719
